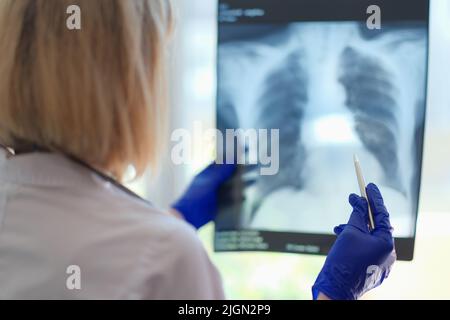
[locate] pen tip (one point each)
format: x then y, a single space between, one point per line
355 158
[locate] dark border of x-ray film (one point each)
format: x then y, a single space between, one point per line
323 10
291 242
309 243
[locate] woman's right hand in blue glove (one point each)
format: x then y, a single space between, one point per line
360 259
198 206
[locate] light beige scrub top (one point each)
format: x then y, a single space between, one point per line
56 216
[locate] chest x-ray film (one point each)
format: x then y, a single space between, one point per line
329 79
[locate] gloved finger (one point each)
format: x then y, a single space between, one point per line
380 213
216 174
225 171
338 229
360 215
357 202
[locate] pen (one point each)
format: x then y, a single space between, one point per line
362 188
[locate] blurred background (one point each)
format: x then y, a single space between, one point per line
290 276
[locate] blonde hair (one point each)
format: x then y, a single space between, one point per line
98 93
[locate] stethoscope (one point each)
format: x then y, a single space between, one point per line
106 178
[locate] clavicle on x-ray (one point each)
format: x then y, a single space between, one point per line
333 89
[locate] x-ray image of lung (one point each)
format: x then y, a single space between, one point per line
333 89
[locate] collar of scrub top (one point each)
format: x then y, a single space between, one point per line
31 148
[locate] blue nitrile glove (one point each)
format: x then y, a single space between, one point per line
359 260
198 205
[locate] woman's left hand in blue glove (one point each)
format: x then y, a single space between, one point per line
198 205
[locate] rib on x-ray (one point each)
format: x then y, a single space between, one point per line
332 89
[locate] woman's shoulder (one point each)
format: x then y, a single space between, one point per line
158 255
171 261
131 210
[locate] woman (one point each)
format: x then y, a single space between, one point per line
77 107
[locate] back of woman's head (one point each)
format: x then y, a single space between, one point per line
97 93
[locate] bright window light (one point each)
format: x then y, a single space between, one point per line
333 129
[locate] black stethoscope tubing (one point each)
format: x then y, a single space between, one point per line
83 164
